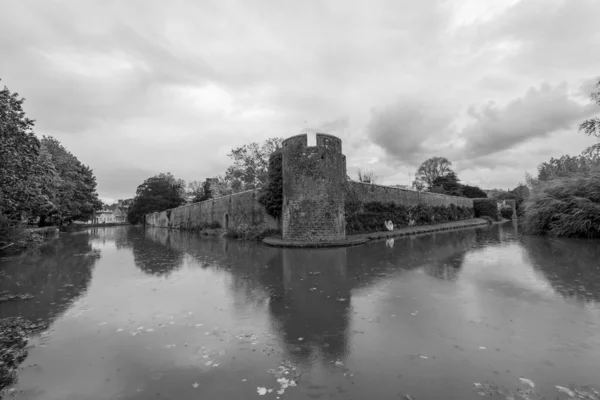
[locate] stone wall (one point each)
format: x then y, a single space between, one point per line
366 192
313 189
232 212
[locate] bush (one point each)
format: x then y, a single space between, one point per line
271 195
486 208
565 207
250 232
506 212
213 225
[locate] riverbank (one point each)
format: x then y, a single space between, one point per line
68 228
26 239
352 240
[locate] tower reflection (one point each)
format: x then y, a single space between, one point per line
313 313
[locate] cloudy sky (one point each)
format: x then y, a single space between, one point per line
134 88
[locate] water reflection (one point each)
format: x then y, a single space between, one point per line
56 274
426 315
572 266
313 316
153 250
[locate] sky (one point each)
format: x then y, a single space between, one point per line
135 88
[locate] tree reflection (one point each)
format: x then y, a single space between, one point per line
155 252
56 275
571 266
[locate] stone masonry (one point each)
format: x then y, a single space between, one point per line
313 189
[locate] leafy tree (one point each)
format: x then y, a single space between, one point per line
196 191
473 192
430 170
366 176
158 193
449 183
271 195
566 166
75 196
26 173
251 164
591 127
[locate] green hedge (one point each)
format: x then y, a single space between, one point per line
370 217
486 208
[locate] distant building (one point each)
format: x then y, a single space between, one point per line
103 217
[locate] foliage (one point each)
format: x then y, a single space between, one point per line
158 193
486 208
429 170
25 172
591 127
567 206
196 191
11 232
39 179
251 232
74 187
250 164
506 212
369 217
367 176
473 192
271 195
566 166
449 183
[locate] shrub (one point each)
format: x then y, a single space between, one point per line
486 208
565 207
506 212
213 225
250 232
369 217
271 195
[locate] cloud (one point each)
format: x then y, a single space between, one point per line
410 129
538 113
144 86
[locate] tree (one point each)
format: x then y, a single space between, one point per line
591 127
75 195
367 176
430 170
251 164
158 193
449 183
196 191
473 192
566 166
271 194
24 172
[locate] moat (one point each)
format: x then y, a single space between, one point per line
164 314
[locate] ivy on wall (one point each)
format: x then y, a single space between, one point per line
271 195
369 217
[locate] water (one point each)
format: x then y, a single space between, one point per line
161 314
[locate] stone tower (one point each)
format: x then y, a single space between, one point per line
313 189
